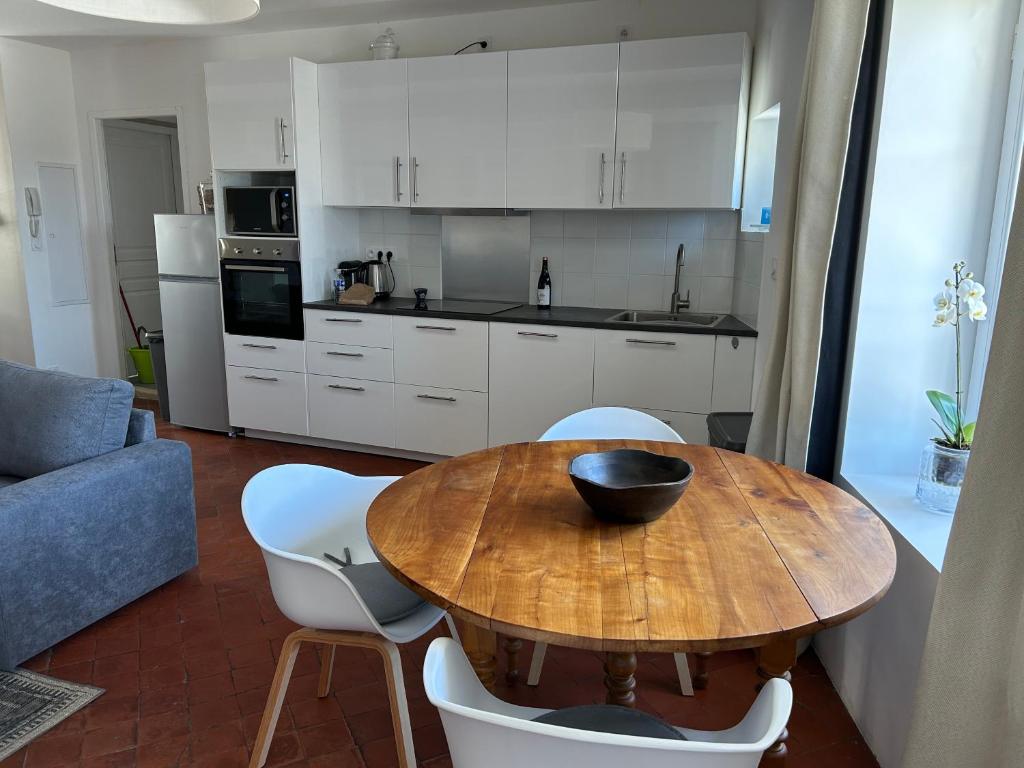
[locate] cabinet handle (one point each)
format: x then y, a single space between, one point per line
735 343
436 397
414 170
342 320
622 178
600 181
651 341
343 386
345 354
281 125
261 378
535 333
252 268
398 179
436 327
260 346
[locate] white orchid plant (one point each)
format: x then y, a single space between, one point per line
961 297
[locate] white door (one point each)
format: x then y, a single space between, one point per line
364 132
561 126
457 130
142 178
682 122
249 108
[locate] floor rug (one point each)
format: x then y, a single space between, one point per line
31 704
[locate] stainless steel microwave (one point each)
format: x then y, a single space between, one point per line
260 211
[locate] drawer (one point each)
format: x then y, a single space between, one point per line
663 371
692 427
258 352
447 422
350 362
360 329
267 399
451 354
352 410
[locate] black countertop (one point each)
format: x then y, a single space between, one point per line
581 317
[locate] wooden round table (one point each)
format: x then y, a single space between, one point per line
754 555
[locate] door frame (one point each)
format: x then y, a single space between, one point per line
104 210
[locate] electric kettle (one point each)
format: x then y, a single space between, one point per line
379 275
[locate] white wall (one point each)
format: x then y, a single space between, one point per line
156 75
41 124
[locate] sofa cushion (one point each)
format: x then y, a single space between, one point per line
51 420
6 480
387 599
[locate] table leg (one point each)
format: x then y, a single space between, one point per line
618 679
512 647
481 647
776 660
700 675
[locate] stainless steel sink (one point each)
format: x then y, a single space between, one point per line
693 319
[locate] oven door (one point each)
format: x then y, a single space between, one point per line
262 298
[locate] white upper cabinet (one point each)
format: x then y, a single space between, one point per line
561 126
250 113
457 130
682 122
364 133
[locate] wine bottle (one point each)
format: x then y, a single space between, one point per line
544 287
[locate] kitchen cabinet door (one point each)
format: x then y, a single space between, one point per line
441 353
538 375
445 422
364 133
274 401
352 410
457 130
692 427
734 373
682 117
561 126
249 108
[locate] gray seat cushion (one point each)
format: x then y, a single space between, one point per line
52 420
6 480
387 599
609 718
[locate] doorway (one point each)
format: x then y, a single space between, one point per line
143 173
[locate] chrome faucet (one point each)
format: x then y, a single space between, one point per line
676 304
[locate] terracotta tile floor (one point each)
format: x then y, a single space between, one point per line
187 668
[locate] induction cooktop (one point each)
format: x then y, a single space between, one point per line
458 305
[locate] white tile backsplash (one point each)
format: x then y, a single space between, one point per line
580 224
578 254
546 224
549 248
649 224
612 223
686 226
718 258
425 251
611 256
427 277
721 225
609 291
645 292
716 294
646 256
578 289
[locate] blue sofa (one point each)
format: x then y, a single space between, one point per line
95 511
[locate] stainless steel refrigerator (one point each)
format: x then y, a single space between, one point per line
186 257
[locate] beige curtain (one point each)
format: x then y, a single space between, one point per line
782 408
970 696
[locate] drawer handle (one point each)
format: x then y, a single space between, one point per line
436 327
345 354
260 346
261 378
541 335
651 341
342 320
343 386
436 397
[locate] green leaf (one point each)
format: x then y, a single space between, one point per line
945 405
969 432
945 435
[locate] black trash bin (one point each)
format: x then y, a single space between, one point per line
156 351
728 429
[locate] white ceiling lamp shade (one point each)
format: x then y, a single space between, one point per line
192 12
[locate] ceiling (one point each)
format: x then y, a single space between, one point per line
34 19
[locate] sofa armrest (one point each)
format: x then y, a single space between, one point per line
141 427
82 541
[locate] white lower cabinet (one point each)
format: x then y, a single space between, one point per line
361 329
350 362
692 427
352 410
734 373
663 371
265 399
448 422
441 353
259 352
538 375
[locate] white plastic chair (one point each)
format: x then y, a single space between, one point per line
485 731
611 424
296 513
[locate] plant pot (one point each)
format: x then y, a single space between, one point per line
941 477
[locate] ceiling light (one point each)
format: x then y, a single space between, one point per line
165 11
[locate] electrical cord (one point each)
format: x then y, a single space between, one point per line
481 43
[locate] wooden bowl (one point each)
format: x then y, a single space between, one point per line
629 485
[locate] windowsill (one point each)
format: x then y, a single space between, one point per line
892 497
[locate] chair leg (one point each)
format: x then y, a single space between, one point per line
326 670
275 699
399 705
452 629
683 670
536 662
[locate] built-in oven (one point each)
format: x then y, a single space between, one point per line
261 287
260 211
